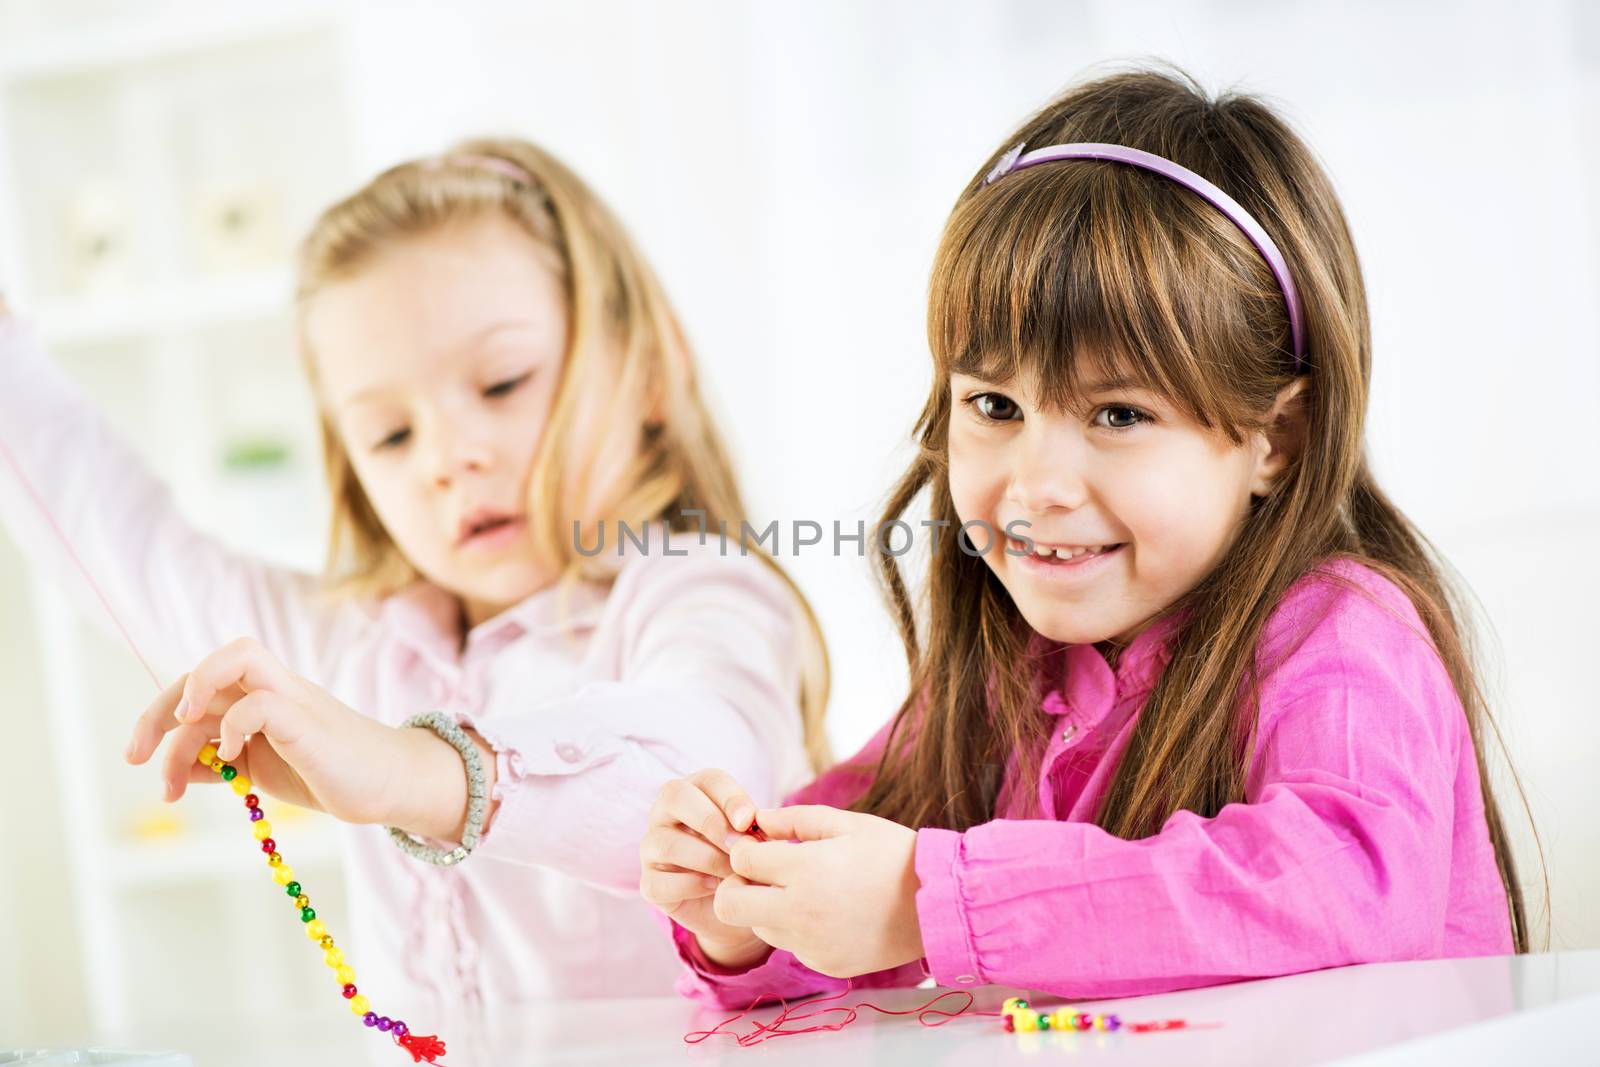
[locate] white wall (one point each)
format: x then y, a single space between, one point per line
787 168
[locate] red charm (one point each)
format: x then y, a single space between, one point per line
427 1047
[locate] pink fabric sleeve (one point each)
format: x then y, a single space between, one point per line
180 592
1341 855
709 677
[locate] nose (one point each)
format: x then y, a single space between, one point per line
1048 470
458 449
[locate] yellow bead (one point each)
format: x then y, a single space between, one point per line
217 765
207 754
283 874
1099 1022
303 901
1012 1005
241 784
274 860
359 1004
262 829
316 930
325 943
346 974
333 958
1061 1019
1027 1020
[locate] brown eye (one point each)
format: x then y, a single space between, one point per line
995 407
1120 417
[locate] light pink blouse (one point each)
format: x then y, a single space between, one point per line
685 662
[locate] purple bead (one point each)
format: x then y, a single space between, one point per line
385 1023
370 1019
1113 1023
398 1028
256 814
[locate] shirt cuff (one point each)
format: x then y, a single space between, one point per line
948 952
779 976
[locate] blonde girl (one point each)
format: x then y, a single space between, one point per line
501 382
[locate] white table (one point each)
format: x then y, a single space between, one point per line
1494 1010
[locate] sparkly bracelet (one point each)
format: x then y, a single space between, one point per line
477 790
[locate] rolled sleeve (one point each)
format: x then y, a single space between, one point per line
707 676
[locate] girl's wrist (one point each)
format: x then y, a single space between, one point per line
431 796
733 956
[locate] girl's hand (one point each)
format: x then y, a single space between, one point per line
683 860
836 888
291 738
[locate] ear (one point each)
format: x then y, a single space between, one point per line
1279 444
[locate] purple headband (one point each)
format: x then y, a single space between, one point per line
503 167
1016 160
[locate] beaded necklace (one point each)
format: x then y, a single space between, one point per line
421 1048
427 1048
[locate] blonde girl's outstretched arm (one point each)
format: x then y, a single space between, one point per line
179 592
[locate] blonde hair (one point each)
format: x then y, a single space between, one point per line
627 364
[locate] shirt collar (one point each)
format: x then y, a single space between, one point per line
427 618
1087 687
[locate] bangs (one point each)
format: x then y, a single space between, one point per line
1067 274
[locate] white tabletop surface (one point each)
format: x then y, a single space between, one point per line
1506 1011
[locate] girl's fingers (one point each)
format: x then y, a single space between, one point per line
682 801
262 711
665 847
668 890
154 721
729 796
766 862
739 903
244 663
185 745
808 822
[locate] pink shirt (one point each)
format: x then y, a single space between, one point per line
1362 837
684 663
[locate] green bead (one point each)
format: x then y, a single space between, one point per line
307 914
293 889
229 773
1044 1022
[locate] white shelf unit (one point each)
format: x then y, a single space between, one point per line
155 172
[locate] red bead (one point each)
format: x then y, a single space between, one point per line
1010 1024
269 846
349 991
251 800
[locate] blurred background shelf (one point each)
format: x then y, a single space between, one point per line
168 309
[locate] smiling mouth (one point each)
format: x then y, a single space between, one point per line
1064 554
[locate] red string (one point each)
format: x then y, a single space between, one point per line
791 1013
761 1031
83 570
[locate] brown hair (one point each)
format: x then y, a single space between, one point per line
627 364
1096 257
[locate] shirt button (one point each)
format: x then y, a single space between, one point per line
570 753
1067 734
965 979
